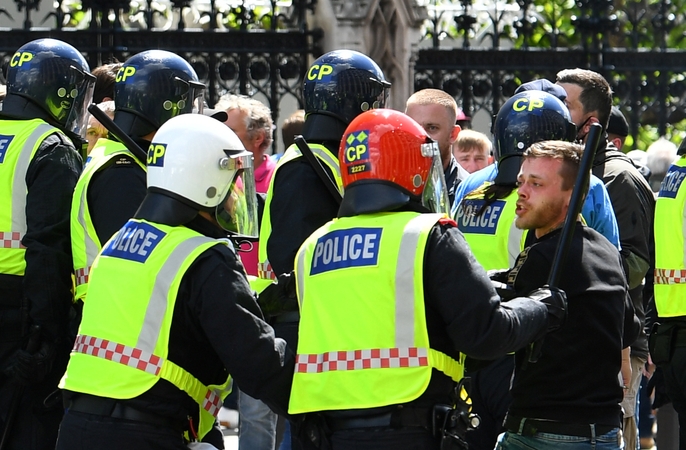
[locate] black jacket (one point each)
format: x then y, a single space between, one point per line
217 329
575 379
46 285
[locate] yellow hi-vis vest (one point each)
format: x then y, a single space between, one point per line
363 339
265 274
19 141
123 342
670 255
492 236
85 244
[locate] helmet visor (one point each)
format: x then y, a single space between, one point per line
190 95
81 96
435 194
237 213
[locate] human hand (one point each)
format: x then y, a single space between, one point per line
29 368
556 301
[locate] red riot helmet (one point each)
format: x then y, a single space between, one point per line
387 161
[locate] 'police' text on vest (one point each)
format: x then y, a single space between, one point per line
484 223
672 181
339 249
135 241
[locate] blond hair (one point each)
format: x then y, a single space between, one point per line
434 97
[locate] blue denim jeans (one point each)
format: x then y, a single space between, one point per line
548 441
257 424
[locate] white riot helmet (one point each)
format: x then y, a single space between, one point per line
200 162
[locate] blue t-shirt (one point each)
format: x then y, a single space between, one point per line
597 209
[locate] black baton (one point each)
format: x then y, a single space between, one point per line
575 203
317 166
117 132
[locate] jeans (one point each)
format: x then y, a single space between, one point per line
548 441
257 424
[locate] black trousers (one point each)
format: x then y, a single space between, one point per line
675 384
490 394
80 431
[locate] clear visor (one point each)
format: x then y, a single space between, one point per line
81 96
435 195
192 94
237 213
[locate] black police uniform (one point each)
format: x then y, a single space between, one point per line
463 314
114 194
293 216
43 296
216 326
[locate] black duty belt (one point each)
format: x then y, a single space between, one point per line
107 407
529 427
398 418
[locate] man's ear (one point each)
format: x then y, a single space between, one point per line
454 133
591 120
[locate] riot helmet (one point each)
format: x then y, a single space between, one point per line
56 77
343 84
200 162
525 118
387 161
152 87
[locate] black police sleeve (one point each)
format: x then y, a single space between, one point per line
279 297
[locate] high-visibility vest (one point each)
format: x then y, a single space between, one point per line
19 141
85 244
363 339
265 274
670 256
492 236
123 342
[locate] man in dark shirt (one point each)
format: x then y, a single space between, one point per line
589 99
571 395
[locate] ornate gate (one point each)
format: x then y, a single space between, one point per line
634 44
261 47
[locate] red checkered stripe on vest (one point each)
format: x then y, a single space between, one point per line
670 276
136 358
82 276
379 358
11 239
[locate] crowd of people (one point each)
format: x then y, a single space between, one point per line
391 280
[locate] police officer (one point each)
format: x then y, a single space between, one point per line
150 88
410 298
48 88
170 316
668 336
338 86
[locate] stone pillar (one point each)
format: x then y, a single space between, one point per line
388 31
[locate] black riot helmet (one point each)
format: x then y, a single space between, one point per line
152 87
343 84
526 118
56 77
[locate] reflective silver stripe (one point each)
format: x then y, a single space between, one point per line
19 182
405 283
300 277
331 161
92 248
157 306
